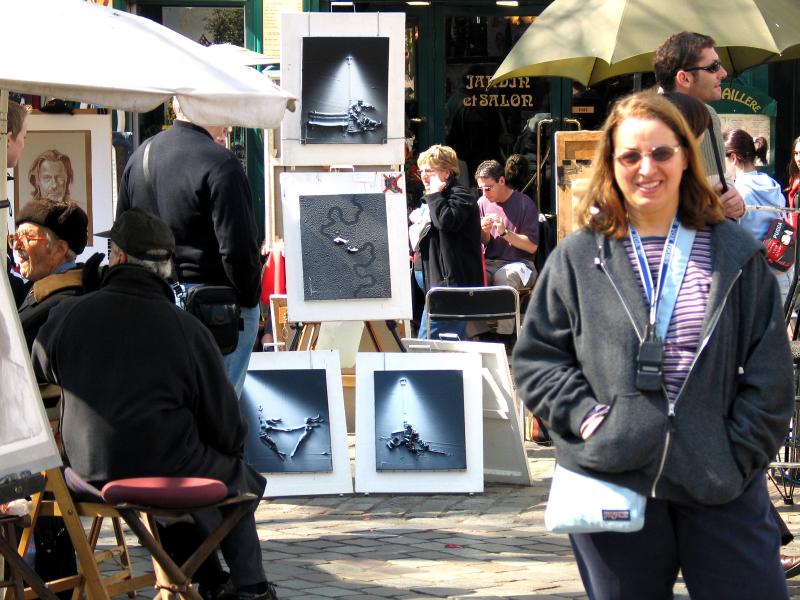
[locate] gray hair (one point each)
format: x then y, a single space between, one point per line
162 268
53 238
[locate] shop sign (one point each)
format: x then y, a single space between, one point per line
511 93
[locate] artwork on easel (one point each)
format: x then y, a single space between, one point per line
346 246
504 456
69 157
418 423
345 90
26 440
294 407
419 420
348 72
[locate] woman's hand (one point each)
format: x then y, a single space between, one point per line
435 184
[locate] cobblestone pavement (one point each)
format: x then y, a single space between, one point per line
490 545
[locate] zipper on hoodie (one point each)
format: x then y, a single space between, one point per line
600 262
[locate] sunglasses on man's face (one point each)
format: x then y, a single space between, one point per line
631 158
712 68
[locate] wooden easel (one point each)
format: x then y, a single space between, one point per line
97 586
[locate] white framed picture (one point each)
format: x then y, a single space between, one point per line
69 157
348 72
346 246
294 406
418 423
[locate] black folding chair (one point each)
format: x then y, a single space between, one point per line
472 304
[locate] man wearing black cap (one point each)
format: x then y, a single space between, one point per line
48 238
125 414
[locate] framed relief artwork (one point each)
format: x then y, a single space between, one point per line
68 157
418 423
346 246
348 71
294 406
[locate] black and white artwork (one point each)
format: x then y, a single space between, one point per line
419 420
297 435
345 247
418 423
349 72
289 423
345 90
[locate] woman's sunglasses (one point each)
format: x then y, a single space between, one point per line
631 158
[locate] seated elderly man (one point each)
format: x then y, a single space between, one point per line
48 238
144 387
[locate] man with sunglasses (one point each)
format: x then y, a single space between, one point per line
688 63
509 232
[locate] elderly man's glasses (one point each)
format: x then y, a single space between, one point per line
24 238
712 68
660 154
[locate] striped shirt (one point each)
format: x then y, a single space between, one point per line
683 334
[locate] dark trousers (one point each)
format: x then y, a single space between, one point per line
729 551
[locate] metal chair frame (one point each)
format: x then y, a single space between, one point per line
472 304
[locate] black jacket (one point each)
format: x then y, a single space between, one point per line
202 193
42 296
450 247
143 385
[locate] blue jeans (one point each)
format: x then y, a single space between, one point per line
437 326
236 362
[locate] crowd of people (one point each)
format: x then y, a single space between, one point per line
654 348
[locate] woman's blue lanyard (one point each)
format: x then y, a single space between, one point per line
674 258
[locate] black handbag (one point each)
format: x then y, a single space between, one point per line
217 307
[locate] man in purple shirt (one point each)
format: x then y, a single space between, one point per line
509 231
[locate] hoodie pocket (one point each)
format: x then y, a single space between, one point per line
629 437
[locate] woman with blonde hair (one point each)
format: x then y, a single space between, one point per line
445 234
653 350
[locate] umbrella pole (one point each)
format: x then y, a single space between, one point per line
3 182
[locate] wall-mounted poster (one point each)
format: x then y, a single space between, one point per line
418 423
504 457
68 157
345 90
348 71
294 406
346 246
26 440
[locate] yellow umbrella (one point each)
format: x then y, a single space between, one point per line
593 40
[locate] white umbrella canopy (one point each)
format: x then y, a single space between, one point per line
70 49
242 56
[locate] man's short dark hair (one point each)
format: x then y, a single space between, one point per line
490 169
678 51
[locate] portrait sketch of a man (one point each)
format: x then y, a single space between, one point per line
55 166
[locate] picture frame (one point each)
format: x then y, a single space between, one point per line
504 456
298 28
85 139
431 419
27 444
330 248
281 391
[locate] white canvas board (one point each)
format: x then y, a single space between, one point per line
504 456
93 174
398 305
26 440
339 479
368 478
295 27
